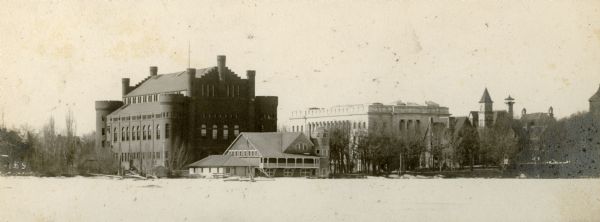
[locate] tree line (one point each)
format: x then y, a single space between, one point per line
49 153
571 145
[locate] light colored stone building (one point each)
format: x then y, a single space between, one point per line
395 120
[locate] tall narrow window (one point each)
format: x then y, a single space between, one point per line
144 133
157 131
236 130
137 133
214 132
127 134
203 130
123 134
115 135
225 132
167 130
150 132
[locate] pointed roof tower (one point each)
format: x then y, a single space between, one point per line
596 96
485 98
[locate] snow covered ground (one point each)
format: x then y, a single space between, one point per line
298 199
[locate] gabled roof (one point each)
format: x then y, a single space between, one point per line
137 108
272 144
596 97
485 98
165 82
221 161
460 123
536 117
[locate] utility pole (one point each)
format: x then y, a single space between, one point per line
189 54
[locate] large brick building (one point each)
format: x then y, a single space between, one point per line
201 109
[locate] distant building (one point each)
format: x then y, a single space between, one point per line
214 166
595 103
534 126
275 154
203 109
487 116
398 120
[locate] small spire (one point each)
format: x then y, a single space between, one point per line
485 98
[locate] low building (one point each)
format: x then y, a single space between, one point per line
268 154
217 165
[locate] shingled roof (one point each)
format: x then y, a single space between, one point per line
485 98
136 109
170 82
221 161
596 97
272 144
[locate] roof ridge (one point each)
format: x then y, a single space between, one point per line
596 96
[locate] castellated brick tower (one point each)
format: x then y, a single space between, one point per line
103 108
486 113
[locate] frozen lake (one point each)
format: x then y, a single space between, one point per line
298 199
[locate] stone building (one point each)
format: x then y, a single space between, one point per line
201 109
398 120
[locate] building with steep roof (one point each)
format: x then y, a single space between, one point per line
595 103
202 109
274 154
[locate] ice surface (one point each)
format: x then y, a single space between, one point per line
298 199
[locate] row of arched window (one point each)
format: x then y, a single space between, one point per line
209 90
328 124
140 132
215 131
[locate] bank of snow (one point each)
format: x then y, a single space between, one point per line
297 199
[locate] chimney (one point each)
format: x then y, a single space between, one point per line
125 86
191 76
251 74
153 70
221 66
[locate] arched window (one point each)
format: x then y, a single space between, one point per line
225 132
167 130
127 134
203 130
157 131
236 130
214 132
137 133
144 132
150 132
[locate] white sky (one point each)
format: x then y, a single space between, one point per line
60 54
